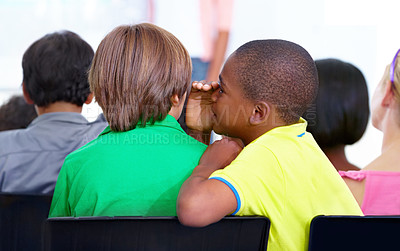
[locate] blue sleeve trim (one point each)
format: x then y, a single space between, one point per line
301 135
233 190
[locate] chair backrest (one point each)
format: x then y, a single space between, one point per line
154 233
354 233
21 219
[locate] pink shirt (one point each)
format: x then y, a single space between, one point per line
382 191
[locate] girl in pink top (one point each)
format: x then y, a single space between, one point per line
377 187
381 191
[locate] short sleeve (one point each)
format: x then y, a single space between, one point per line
254 174
354 175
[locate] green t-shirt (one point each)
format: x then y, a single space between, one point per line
133 173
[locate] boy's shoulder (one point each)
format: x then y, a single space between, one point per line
283 145
186 144
87 151
18 141
283 134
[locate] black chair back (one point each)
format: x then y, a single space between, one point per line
21 219
154 233
354 233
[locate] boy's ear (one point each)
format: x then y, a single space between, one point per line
388 95
89 98
27 98
261 112
175 100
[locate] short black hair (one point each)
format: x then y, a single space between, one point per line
339 115
55 69
280 72
16 113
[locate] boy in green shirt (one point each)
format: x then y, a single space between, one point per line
140 76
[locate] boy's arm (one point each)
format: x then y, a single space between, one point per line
220 45
202 201
224 12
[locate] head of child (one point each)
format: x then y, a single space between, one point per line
264 84
55 70
16 114
387 95
340 113
140 74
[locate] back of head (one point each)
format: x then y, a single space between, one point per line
135 72
394 68
16 114
340 113
279 72
55 69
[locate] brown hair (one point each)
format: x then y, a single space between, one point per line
135 71
280 72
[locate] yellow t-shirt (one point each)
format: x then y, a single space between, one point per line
285 176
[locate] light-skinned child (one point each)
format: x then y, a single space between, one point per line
140 76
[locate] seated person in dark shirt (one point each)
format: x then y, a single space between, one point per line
16 113
55 81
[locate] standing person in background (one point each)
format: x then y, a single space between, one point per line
203 26
376 187
55 81
339 115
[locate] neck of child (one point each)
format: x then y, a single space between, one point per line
59 106
391 141
389 159
260 123
338 158
390 127
255 132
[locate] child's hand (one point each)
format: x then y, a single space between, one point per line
199 115
202 201
219 155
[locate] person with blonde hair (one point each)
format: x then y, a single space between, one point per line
375 187
140 76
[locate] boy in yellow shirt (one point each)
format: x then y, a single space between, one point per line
281 173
